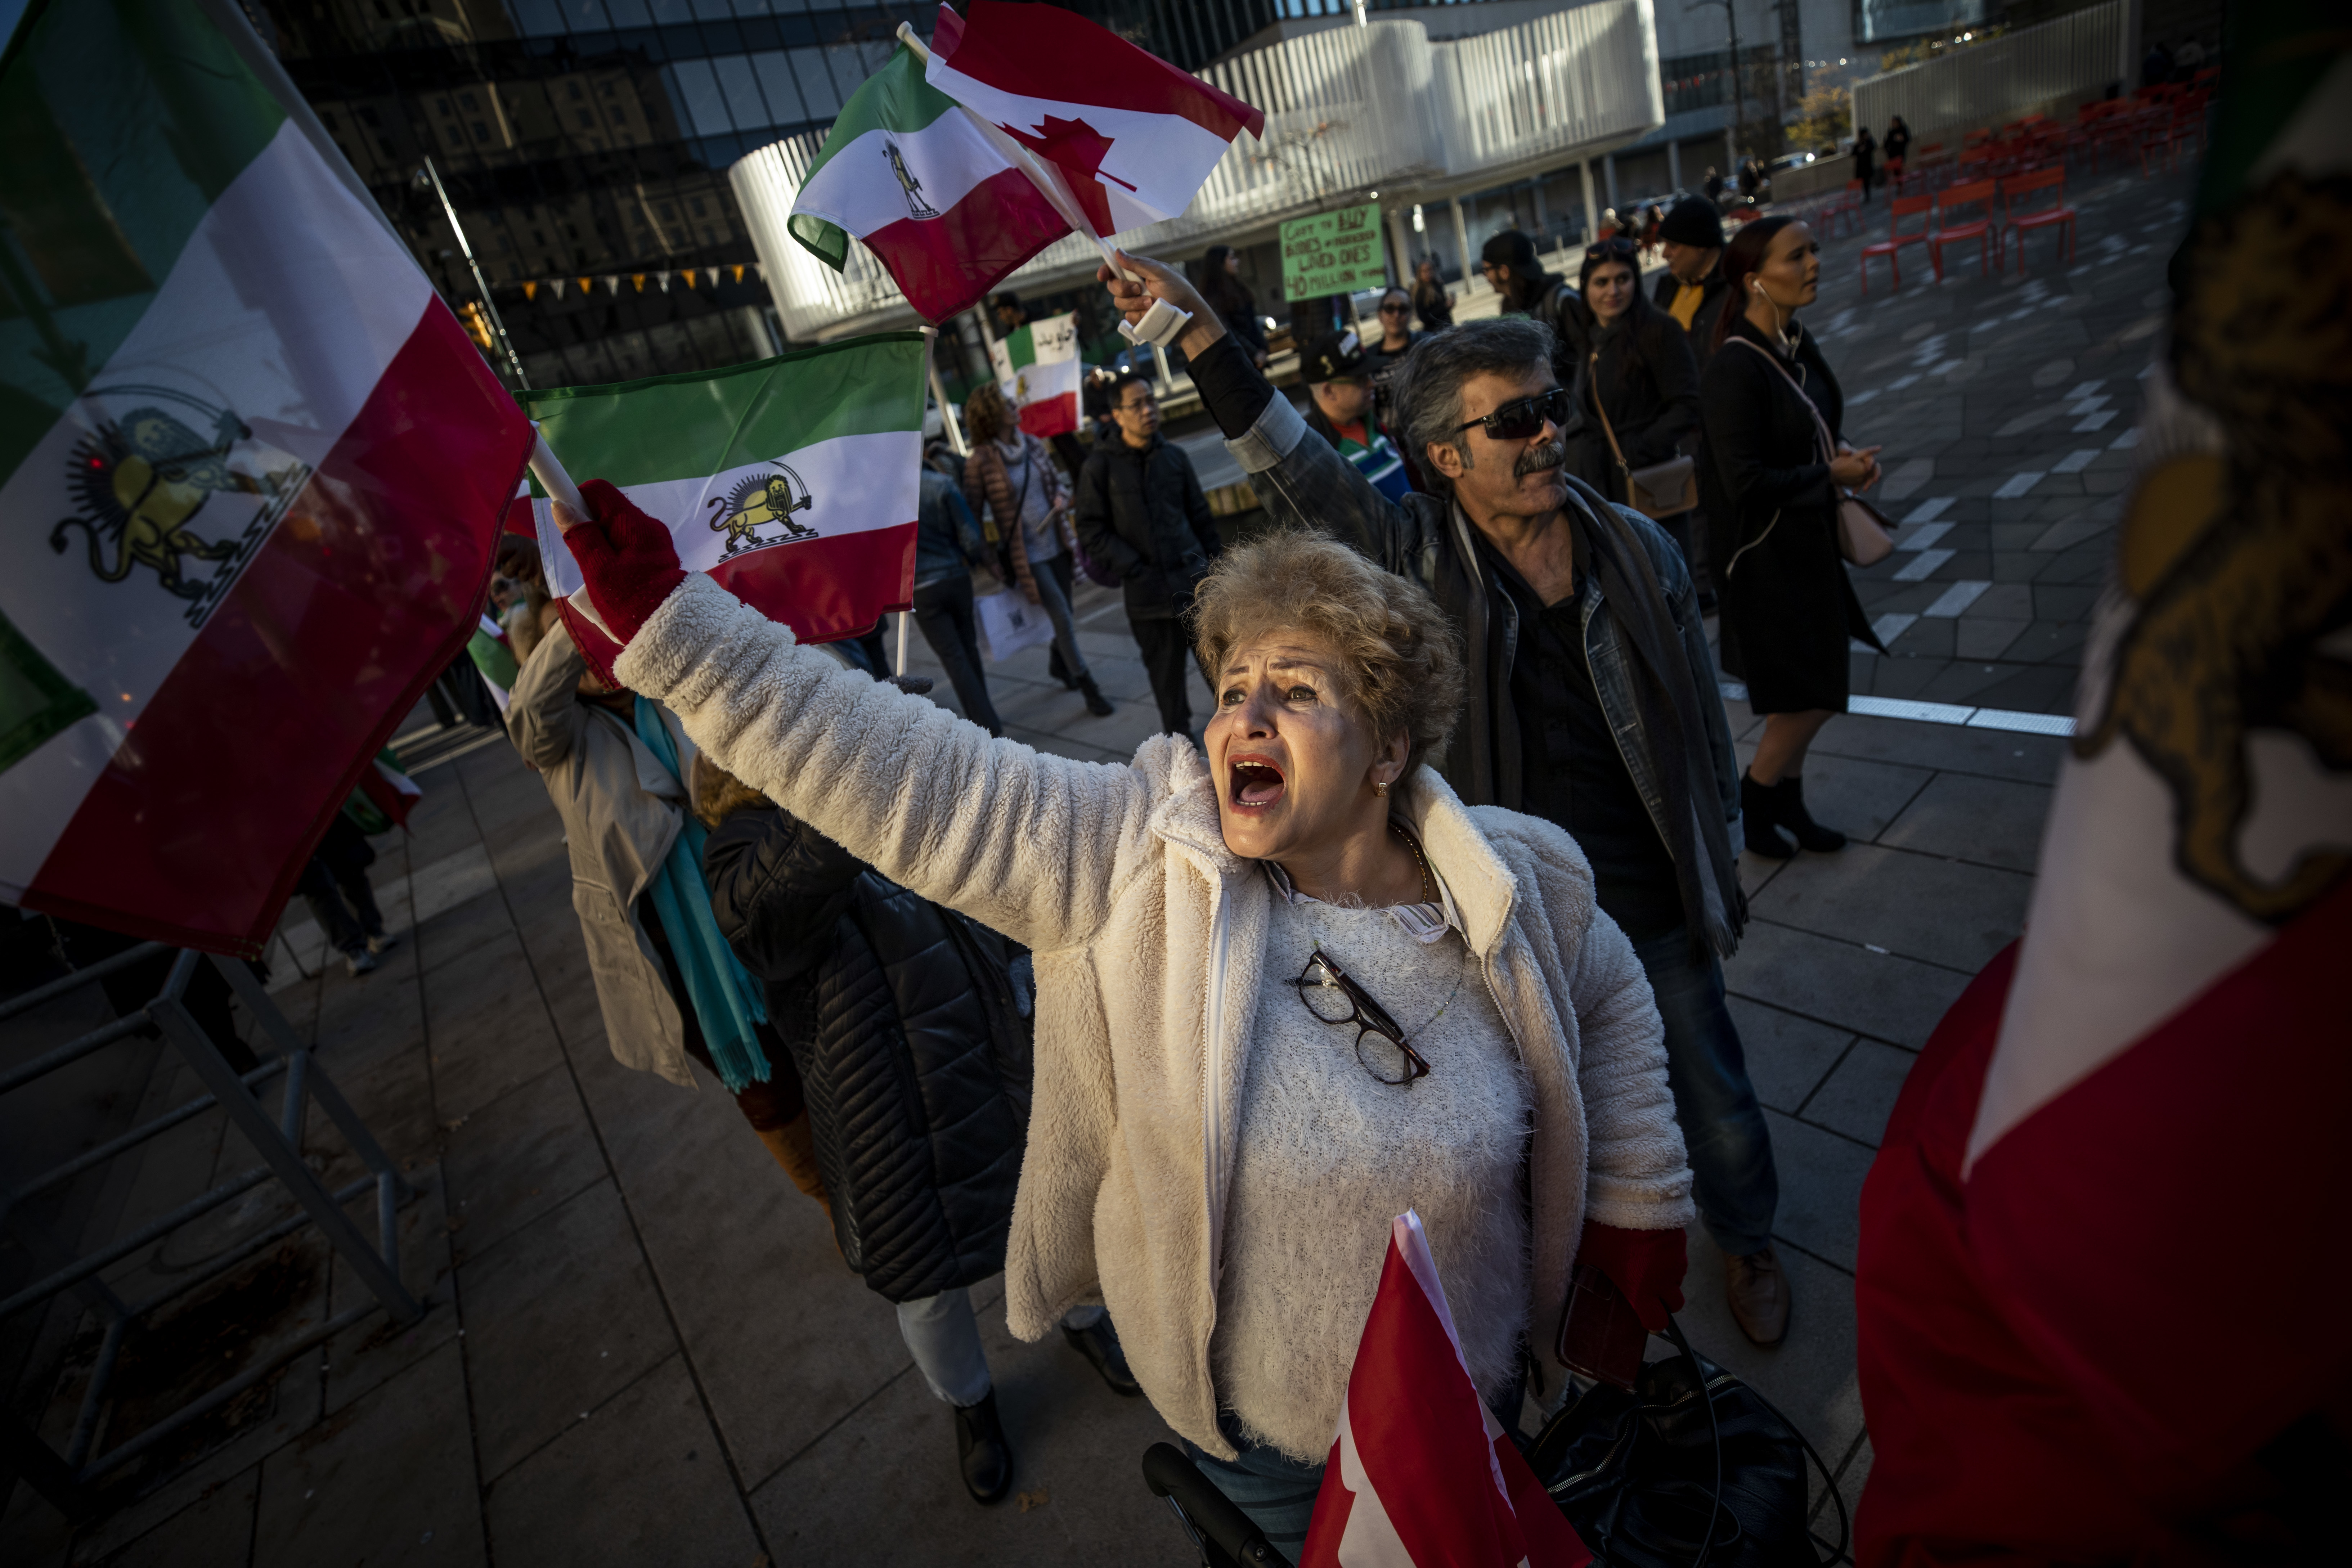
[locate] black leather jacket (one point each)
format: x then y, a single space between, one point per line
912 1028
1141 513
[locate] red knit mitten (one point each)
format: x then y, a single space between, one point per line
1646 1266
627 558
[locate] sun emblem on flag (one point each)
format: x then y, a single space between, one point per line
760 500
908 187
139 479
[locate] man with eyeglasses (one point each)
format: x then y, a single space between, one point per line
1591 700
1142 513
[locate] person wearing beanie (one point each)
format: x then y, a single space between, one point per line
1508 260
1691 289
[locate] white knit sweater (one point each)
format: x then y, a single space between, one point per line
1328 1155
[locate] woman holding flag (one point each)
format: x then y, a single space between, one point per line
1286 990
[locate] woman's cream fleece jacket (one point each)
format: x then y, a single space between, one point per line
1150 941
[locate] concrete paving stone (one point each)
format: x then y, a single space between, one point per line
1858 1096
515 1159
2064 602
714 1212
1787 1055
377 1349
2042 688
389 1480
215 1530
2047 640
2013 536
393 1099
1940 911
1982 639
1925 639
1964 684
2003 601
1859 798
1054 745
642 1481
2018 565
559 1318
1851 1479
1991 822
1895 677
1810 1375
1821 1188
487 1025
1841 984
1078 1455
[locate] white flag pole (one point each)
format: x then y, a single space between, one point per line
1163 321
571 511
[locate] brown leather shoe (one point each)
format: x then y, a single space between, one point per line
1759 1294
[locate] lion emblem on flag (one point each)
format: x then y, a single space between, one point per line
760 500
140 481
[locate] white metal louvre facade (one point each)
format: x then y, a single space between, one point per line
1347 111
2076 56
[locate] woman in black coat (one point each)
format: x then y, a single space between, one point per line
1635 370
911 1028
1770 495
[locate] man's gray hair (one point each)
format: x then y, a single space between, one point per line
1429 385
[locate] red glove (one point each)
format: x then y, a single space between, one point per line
627 558
1646 1266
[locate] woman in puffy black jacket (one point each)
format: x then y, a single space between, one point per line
910 1027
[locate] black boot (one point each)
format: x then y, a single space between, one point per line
1790 794
1060 671
982 1452
1096 703
1099 1345
1759 809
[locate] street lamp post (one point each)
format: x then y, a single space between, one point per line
1738 93
431 176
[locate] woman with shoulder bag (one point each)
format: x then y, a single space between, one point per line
1010 476
1639 391
1782 518
1286 990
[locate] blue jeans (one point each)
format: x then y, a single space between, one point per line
1730 1149
1275 1490
944 1337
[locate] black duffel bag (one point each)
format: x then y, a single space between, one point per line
1659 1477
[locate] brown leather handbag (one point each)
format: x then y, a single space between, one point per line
1659 490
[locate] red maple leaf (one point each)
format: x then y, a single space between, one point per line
1077 149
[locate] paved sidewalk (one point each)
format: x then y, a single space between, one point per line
642 1348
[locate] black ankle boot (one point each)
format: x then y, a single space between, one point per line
1790 794
1759 810
1099 1345
1096 703
982 1452
1060 671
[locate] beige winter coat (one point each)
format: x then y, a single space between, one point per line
1150 941
622 811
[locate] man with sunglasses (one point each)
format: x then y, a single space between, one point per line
1591 700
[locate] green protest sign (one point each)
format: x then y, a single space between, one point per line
1332 253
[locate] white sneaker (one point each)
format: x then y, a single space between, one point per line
360 963
382 944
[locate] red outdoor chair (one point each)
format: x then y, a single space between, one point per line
1980 229
1846 205
1892 246
2058 213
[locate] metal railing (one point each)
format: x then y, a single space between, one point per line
1347 111
64 1477
2074 57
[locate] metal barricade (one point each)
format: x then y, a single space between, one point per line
64 1478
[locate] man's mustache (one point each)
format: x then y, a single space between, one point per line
1535 460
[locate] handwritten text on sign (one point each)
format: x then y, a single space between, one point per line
1332 253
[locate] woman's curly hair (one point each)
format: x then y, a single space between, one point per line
986 415
1398 655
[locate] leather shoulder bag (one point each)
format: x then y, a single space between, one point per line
1864 536
1659 490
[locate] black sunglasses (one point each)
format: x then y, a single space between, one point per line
1609 247
1394 310
1324 986
1518 421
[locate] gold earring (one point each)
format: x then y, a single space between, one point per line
1379 786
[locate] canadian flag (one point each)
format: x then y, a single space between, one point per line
1422 1474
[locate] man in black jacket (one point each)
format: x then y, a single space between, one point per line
909 1028
1590 699
1692 287
1142 511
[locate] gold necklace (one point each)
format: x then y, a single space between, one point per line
1428 878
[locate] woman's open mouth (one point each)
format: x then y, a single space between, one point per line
1257 782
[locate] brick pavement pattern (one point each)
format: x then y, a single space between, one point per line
641 1346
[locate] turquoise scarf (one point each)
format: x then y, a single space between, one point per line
725 998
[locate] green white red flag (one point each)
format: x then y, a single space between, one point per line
793 481
1038 366
250 465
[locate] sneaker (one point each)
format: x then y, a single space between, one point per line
381 943
1099 1344
360 962
983 1455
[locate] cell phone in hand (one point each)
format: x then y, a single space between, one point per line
1600 1340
